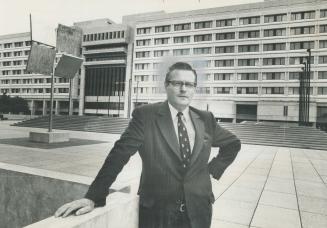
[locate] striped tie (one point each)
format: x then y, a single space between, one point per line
184 143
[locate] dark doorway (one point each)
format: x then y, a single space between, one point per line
246 112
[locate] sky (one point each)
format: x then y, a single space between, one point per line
46 14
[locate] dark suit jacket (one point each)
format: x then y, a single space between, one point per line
151 133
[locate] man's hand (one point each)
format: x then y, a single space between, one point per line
80 207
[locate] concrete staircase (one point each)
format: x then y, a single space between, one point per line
250 133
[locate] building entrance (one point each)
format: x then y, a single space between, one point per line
246 112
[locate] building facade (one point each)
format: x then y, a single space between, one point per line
249 58
35 88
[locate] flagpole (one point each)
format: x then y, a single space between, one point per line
51 98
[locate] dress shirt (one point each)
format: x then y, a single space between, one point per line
186 118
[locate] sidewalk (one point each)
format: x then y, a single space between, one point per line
265 187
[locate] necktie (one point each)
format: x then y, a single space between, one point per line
184 143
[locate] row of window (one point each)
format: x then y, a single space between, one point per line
240 76
231 35
15 54
232 22
232 49
104 36
34 81
34 90
14 63
240 62
16 44
239 90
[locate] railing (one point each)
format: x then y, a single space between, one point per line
121 211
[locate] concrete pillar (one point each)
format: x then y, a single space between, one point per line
82 91
57 108
32 107
44 108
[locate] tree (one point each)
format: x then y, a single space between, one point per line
13 104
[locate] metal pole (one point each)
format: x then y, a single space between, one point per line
309 82
305 94
137 92
301 98
31 28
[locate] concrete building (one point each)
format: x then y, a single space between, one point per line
35 88
249 57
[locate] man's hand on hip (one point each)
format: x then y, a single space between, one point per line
80 207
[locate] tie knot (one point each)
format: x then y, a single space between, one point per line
179 114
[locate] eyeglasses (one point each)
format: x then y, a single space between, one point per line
178 84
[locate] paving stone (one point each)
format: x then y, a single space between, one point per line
310 220
313 204
233 211
251 181
222 224
242 194
275 217
278 199
280 185
311 189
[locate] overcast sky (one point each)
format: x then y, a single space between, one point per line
46 14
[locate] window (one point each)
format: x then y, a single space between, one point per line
322 90
203 90
273 76
178 52
160 41
6 63
272 90
180 27
322 28
247 90
249 34
141 78
7 45
204 37
26 52
248 62
250 20
6 54
145 42
182 39
273 61
225 36
159 53
322 74
5 72
202 51
222 90
293 90
224 49
322 43
224 63
18 53
296 75
275 18
300 60
302 30
302 15
19 44
155 78
248 48
323 59
274 32
28 43
225 22
142 54
156 65
142 66
274 47
203 24
146 30
302 45
222 76
63 90
156 90
323 13
247 76
141 90
15 72
164 28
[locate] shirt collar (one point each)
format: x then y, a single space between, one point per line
174 111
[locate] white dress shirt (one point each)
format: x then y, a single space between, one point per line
186 118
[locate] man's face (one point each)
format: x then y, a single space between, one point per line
179 90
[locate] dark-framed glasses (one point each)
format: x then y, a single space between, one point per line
178 84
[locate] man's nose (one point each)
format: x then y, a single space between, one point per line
183 87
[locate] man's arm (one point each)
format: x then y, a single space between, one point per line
229 145
130 141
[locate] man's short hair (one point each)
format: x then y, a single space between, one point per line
180 66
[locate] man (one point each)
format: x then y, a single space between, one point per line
174 141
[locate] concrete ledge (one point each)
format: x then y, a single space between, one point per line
49 137
121 211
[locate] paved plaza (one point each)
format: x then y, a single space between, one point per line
265 187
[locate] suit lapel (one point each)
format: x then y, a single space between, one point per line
165 124
199 133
